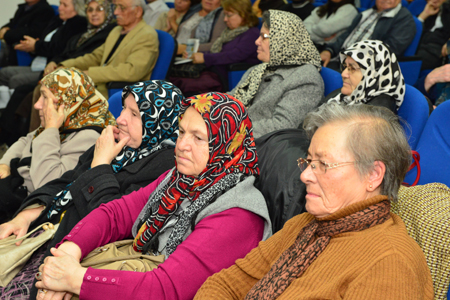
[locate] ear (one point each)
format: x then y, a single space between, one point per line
376 176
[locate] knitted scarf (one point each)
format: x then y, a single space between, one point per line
381 73
232 157
289 45
226 36
310 242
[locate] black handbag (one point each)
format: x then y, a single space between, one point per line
188 70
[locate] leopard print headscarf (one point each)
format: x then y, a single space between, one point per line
289 45
381 73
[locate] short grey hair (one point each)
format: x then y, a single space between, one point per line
142 4
80 7
374 134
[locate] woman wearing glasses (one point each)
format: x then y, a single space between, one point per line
235 45
371 75
348 245
287 85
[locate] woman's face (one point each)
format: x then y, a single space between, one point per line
66 10
232 19
182 5
351 76
96 14
46 95
210 5
130 123
263 45
337 187
191 150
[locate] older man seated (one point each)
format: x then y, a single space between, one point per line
129 52
387 21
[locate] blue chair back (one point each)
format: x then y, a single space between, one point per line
411 69
412 48
55 9
331 79
434 148
115 104
170 4
371 3
23 58
414 110
416 7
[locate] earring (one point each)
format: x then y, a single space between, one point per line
370 186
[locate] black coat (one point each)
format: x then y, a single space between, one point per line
381 100
59 40
31 22
72 51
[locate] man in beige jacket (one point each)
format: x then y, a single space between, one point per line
129 52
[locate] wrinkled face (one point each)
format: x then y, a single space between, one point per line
210 5
46 95
232 19
337 187
96 14
263 45
386 4
66 10
191 150
126 14
130 123
351 76
182 5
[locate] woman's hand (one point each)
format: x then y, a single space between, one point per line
51 66
325 56
61 273
429 10
444 51
106 148
52 295
3 31
198 58
172 14
27 44
181 49
5 171
20 224
53 118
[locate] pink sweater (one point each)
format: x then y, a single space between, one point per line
217 241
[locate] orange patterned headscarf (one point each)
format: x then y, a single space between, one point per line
85 107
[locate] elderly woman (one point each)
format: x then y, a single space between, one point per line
371 75
181 215
205 22
348 245
107 171
170 20
71 21
287 85
235 45
328 21
73 114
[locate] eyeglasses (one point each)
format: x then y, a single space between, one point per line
97 9
121 7
321 167
264 36
227 15
350 68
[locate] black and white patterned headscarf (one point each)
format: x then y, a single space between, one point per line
289 45
381 73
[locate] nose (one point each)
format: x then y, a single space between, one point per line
307 176
258 41
122 120
183 143
344 73
39 104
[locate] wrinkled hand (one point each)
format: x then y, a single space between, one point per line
444 51
52 295
3 31
53 118
20 224
198 58
61 273
172 14
429 10
106 148
441 74
5 171
51 66
27 44
325 56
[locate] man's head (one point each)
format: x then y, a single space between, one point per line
129 12
31 2
383 5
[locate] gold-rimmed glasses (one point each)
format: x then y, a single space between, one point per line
352 69
320 167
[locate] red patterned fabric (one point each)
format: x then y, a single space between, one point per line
231 150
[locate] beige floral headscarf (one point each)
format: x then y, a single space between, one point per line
85 107
289 45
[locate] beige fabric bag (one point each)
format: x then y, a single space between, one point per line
13 257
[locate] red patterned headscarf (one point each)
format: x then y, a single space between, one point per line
231 151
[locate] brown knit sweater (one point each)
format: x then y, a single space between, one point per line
381 262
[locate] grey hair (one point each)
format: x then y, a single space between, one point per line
373 134
266 19
79 7
142 4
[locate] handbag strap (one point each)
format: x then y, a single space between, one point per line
13 241
415 163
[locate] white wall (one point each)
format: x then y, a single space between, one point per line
9 7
